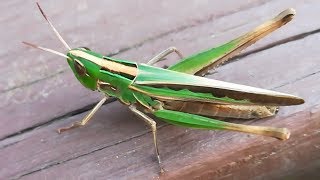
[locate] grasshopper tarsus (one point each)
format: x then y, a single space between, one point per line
72 126
283 134
162 171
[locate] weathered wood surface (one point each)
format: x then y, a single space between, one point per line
39 93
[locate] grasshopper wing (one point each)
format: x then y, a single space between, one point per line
170 85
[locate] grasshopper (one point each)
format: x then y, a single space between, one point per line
178 94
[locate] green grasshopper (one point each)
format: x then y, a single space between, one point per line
176 95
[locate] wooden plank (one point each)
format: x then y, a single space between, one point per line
185 152
35 79
116 147
194 153
24 105
50 146
109 29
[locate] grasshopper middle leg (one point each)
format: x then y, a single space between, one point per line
153 126
163 54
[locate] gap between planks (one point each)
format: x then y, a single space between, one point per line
48 165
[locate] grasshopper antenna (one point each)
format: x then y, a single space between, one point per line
53 28
46 49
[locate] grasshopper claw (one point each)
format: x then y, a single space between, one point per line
74 125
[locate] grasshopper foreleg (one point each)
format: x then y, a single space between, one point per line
153 126
163 54
85 119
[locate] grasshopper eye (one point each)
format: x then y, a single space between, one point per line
79 67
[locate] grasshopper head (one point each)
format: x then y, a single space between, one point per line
81 61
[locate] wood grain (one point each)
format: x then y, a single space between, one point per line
36 79
39 94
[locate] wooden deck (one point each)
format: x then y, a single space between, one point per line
39 93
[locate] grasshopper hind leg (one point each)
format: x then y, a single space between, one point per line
202 122
153 126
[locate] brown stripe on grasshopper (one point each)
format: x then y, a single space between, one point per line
222 110
104 86
270 98
106 63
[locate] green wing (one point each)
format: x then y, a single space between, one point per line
170 85
201 63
